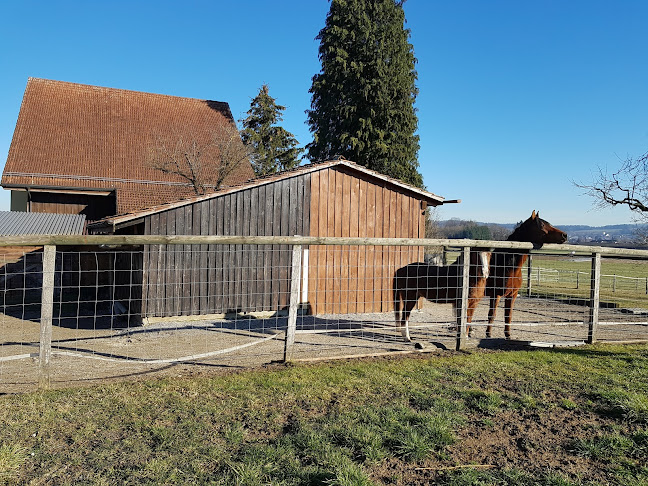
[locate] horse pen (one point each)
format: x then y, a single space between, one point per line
86 309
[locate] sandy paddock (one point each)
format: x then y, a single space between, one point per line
86 354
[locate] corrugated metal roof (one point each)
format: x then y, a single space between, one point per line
14 223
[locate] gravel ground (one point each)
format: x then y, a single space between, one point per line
174 348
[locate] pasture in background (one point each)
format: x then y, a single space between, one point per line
106 307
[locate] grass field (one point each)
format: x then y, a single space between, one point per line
552 417
623 282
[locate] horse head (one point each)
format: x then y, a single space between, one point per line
537 231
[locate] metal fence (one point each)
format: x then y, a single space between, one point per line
86 309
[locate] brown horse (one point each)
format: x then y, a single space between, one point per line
505 276
438 284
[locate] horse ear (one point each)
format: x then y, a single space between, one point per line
534 215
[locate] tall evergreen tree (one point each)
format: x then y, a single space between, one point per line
273 148
362 105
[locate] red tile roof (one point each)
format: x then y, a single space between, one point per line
73 135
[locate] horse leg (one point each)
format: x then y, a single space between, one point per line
508 314
470 311
408 305
492 311
476 294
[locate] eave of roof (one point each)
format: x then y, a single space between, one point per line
134 217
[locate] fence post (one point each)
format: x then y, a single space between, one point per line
595 295
47 311
461 318
295 282
529 270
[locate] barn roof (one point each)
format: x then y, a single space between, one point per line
14 223
378 178
73 136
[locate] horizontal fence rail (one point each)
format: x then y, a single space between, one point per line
78 308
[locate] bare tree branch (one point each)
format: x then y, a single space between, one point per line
203 165
628 186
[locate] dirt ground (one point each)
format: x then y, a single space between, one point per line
534 441
85 354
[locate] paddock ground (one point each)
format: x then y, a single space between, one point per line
90 355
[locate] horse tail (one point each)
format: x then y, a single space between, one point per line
401 308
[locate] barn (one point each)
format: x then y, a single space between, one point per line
81 149
333 198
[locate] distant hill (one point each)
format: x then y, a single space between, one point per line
578 233
615 232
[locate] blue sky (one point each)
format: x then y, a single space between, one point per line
517 99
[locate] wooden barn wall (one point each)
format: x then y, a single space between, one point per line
94 207
358 279
215 279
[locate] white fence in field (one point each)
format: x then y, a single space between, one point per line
577 279
100 307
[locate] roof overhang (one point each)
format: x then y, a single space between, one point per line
91 191
119 221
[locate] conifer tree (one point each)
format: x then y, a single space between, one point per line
273 148
362 105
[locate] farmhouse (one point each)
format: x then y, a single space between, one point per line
80 149
334 198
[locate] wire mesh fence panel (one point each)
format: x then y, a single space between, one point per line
132 310
623 301
20 284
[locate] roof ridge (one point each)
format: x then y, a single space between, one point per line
107 88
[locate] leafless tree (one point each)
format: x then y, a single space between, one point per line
432 223
205 165
627 186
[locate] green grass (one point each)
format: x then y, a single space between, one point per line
615 288
346 423
565 285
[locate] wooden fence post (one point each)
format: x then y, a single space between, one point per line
295 282
47 311
462 320
595 296
529 270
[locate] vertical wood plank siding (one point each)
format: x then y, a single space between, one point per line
358 279
214 279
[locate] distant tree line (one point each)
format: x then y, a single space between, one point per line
462 229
